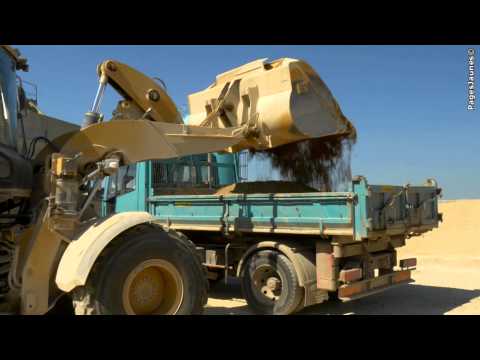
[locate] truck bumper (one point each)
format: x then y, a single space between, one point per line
378 284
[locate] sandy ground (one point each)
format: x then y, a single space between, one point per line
447 279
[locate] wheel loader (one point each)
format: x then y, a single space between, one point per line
54 244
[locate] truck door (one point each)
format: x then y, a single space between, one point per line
121 192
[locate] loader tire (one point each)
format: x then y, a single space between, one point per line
270 284
145 271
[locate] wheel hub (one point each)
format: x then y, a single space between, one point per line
267 281
153 287
273 283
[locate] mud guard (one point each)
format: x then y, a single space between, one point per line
81 254
303 260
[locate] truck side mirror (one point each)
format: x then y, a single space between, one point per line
126 181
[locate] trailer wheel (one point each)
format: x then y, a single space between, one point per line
145 272
270 284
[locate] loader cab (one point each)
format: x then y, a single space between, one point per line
132 186
8 95
15 171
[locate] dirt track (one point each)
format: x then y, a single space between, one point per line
447 276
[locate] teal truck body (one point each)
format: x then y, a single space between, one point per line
340 244
359 213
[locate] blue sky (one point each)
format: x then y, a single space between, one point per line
408 103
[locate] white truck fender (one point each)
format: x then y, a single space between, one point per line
81 254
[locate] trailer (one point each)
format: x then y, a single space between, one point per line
289 250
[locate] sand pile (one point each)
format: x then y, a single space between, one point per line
457 236
264 187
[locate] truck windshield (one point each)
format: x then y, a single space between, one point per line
122 182
8 99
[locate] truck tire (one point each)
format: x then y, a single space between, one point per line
270 284
301 303
146 271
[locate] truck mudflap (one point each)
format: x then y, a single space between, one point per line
375 285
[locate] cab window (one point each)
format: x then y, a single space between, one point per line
123 181
8 100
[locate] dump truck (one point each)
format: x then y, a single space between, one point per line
289 249
55 245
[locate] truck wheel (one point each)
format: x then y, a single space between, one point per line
270 284
301 303
145 272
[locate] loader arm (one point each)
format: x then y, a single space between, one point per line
258 106
141 90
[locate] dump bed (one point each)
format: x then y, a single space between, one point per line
364 212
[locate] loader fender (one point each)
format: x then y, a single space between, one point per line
303 260
81 254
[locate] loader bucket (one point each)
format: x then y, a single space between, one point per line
281 102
